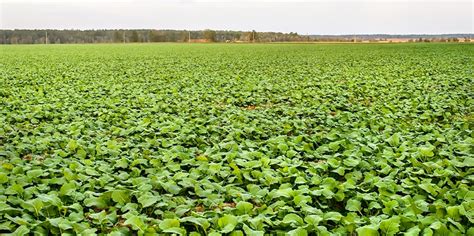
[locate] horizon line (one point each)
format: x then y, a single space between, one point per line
307 34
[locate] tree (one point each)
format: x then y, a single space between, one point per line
253 36
210 35
148 36
144 35
183 36
134 37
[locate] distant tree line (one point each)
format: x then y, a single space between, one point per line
142 35
449 39
151 35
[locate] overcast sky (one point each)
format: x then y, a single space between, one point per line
303 16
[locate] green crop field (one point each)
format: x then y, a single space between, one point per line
237 139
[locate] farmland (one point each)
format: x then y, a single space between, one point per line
211 139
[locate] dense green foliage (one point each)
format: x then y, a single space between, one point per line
240 139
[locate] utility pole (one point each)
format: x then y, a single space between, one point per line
189 36
123 36
253 36
46 38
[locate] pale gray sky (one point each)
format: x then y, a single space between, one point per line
303 16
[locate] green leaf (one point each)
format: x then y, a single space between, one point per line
427 232
453 212
413 231
120 196
214 234
3 178
426 151
99 202
293 219
171 187
175 230
291 153
81 153
37 205
394 140
72 145
227 223
353 205
169 223
50 198
298 232
333 216
334 146
368 230
61 223
22 230
204 223
136 223
34 173
457 224
285 192
7 226
67 189
283 147
250 232
429 187
147 200
100 217
390 226
244 208
313 219
237 233
351 162
470 231
438 227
